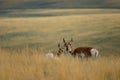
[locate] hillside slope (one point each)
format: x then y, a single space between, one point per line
33 4
100 30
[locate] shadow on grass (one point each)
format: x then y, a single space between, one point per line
8 36
12 13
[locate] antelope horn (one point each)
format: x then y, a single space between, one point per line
71 40
64 40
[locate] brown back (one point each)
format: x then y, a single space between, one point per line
85 50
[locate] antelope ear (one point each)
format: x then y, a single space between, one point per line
71 40
59 45
64 40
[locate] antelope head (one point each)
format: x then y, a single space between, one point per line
68 45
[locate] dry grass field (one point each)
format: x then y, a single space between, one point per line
35 66
25 36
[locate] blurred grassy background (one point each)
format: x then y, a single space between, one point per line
44 29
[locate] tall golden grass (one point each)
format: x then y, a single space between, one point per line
35 66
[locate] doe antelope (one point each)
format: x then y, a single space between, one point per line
80 51
57 54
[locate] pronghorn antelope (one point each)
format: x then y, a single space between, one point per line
80 51
57 54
